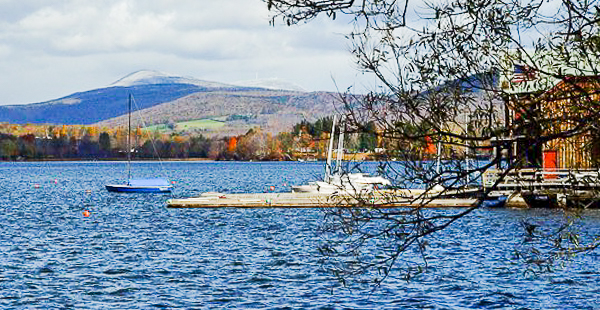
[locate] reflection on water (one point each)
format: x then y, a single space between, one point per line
132 252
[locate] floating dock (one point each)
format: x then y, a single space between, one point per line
546 188
522 188
408 198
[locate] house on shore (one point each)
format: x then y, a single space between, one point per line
553 120
553 125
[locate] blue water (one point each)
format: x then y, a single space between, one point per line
133 252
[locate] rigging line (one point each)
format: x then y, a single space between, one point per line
141 118
129 139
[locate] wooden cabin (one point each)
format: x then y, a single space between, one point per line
567 114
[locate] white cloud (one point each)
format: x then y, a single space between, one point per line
51 48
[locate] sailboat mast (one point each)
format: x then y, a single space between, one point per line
340 149
439 158
330 151
467 150
129 140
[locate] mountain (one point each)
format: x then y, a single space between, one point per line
151 77
92 106
163 98
273 83
239 109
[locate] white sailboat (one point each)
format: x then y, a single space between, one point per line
338 181
151 185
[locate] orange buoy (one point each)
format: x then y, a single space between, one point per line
272 188
173 182
86 213
36 185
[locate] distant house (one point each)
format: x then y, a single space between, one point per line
572 106
553 121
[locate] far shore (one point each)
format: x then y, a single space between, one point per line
140 160
106 159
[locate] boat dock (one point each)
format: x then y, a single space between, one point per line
408 198
520 188
547 188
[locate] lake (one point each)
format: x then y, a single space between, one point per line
133 252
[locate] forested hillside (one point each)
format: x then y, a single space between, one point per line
240 110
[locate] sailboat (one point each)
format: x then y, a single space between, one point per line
339 182
152 185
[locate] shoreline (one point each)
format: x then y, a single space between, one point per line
162 159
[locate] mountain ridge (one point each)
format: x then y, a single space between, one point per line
170 98
272 110
153 77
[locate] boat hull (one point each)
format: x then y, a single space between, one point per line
320 187
496 202
323 188
138 189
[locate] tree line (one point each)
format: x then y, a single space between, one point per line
64 142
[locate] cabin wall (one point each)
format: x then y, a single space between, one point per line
556 108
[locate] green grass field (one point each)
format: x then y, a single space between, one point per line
200 124
209 124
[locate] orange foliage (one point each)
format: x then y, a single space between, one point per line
430 146
178 139
232 144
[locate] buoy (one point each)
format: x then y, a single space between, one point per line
272 188
173 182
86 213
36 186
88 191
55 181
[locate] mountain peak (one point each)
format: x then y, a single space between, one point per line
271 83
152 77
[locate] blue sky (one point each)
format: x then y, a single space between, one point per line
52 48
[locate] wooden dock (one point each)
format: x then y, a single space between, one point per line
536 187
308 200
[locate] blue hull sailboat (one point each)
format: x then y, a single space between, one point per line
142 186
151 185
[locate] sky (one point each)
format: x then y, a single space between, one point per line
53 48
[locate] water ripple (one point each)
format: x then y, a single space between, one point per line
132 252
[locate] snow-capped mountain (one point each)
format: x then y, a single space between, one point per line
151 77
270 103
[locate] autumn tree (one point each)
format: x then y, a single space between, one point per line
27 147
199 146
286 144
8 147
59 144
218 149
104 143
458 75
89 147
